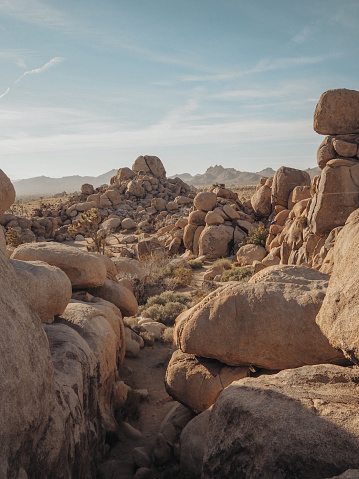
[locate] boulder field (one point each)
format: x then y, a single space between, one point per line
266 371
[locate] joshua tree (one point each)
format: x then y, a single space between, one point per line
88 222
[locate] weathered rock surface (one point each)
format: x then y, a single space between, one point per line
297 423
249 253
193 441
7 192
338 317
26 378
261 201
47 287
337 112
205 201
196 382
284 181
336 197
270 324
83 269
117 294
149 164
214 241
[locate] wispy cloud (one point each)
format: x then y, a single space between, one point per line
303 35
51 63
3 94
35 12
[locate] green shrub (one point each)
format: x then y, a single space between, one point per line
165 307
258 237
237 274
182 276
224 262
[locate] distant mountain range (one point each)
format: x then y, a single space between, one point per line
231 176
46 186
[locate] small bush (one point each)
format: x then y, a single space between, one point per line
167 336
237 274
195 263
258 237
182 276
165 307
224 262
148 338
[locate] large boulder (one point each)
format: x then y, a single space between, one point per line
215 241
299 423
337 112
7 192
267 324
337 195
205 201
83 269
117 294
290 274
196 382
284 181
339 316
87 343
149 164
26 377
193 441
122 175
47 287
249 253
261 201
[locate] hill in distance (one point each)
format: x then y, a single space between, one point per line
45 186
231 176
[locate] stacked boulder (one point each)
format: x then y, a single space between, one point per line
141 198
306 222
246 325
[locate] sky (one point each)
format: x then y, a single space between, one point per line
87 86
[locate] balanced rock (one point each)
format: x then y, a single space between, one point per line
297 423
47 287
337 112
249 323
83 269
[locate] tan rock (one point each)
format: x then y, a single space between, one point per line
26 376
136 189
128 268
87 189
299 208
196 237
338 317
159 204
249 324
344 148
87 205
123 174
231 212
188 235
47 287
149 164
212 272
128 224
290 274
174 246
193 441
213 218
281 217
336 197
83 269
214 241
297 423
325 152
114 196
342 162
205 201
197 382
270 260
284 181
249 253
261 201
337 112
111 225
197 218
7 192
300 193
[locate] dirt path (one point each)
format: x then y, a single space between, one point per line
148 372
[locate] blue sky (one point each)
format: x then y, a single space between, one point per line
87 86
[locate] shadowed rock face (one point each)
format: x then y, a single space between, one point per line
297 423
26 372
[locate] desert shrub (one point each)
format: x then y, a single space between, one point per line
237 274
13 237
258 237
195 263
182 276
165 307
89 223
224 262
